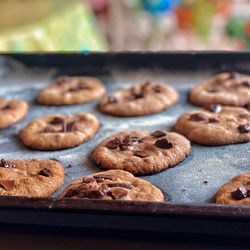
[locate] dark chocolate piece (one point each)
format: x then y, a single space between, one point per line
71 193
246 83
56 120
117 193
45 172
6 107
5 164
71 127
196 117
163 143
107 177
244 128
157 89
240 193
115 143
213 120
158 134
93 194
122 185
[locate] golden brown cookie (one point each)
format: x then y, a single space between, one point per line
215 125
140 99
12 111
231 89
141 152
113 185
55 132
32 178
235 191
71 90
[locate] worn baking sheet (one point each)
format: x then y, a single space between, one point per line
195 180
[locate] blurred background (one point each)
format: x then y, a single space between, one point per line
115 25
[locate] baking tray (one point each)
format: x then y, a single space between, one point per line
191 185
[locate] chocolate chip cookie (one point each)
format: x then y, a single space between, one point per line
32 178
141 152
113 185
54 132
12 111
138 99
231 89
71 90
215 125
235 191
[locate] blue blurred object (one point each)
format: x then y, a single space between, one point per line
159 6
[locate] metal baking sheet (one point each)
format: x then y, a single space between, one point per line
195 180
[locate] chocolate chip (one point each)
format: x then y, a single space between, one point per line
244 116
123 147
246 83
113 144
107 177
197 117
93 194
234 75
213 120
45 172
7 184
5 164
71 193
48 129
140 154
6 107
244 128
112 99
122 185
240 193
56 120
157 88
158 133
216 108
81 86
163 143
213 90
71 127
118 193
138 95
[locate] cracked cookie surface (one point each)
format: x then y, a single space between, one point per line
31 178
141 152
71 90
140 99
215 125
54 132
113 185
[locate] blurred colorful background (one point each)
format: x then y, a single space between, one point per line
118 25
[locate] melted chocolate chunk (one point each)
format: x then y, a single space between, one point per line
106 177
81 86
115 143
163 143
112 99
117 193
158 134
138 95
48 129
56 120
7 184
213 120
140 154
45 172
5 164
92 194
71 193
122 185
246 83
71 127
244 116
244 128
197 117
157 89
240 193
213 90
216 108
